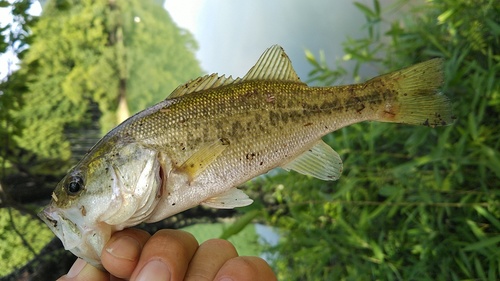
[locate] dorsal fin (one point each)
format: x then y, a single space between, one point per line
274 64
202 83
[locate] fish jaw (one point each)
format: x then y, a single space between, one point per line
67 230
84 241
121 189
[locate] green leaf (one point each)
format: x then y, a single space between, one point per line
444 16
376 4
311 59
365 10
389 190
493 26
484 243
240 223
483 212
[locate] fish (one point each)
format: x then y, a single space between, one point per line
214 133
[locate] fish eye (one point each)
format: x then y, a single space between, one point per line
75 185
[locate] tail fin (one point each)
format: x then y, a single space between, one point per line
418 100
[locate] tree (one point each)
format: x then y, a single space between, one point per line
14 39
85 57
88 52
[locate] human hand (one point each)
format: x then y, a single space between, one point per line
133 254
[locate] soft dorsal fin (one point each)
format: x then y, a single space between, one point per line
320 161
202 83
274 64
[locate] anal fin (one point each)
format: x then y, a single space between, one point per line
228 200
320 161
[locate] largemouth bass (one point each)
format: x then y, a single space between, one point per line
214 133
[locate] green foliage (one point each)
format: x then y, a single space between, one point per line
82 54
155 67
246 238
20 238
413 203
96 52
14 38
240 224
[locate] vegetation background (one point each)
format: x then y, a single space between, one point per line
413 204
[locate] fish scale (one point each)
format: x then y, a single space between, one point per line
245 114
214 133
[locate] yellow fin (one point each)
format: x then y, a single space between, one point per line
320 161
418 100
228 200
200 160
202 83
274 64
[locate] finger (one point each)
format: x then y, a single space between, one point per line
81 271
209 258
246 269
166 254
122 252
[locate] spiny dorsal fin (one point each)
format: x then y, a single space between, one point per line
320 161
202 83
274 64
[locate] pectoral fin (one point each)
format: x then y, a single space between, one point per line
320 161
200 160
229 200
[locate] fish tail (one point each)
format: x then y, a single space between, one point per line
414 97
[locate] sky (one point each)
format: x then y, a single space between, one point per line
8 62
232 34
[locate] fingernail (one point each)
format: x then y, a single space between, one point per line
154 270
76 268
125 247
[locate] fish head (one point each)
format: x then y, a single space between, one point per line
102 194
72 215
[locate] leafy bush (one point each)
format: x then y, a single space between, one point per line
414 203
18 242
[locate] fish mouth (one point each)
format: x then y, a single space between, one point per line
83 241
66 230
